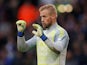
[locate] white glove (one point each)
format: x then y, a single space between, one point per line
39 30
21 25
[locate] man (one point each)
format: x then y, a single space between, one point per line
51 43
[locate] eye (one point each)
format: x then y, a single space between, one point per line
44 16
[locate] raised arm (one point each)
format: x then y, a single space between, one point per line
59 43
23 45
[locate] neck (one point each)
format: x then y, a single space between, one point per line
52 26
54 21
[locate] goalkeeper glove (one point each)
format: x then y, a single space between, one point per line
39 32
21 25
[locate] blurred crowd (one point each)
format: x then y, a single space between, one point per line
75 23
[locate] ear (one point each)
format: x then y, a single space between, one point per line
54 16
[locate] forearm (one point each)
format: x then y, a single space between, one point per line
21 45
58 45
55 46
51 44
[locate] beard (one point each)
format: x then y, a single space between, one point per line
46 25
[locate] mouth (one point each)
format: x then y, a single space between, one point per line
43 23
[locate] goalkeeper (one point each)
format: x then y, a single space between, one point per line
51 43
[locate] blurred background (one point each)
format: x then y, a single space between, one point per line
72 15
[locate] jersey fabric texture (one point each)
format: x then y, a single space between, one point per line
58 40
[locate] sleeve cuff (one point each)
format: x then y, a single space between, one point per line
20 34
43 37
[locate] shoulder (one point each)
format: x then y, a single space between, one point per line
61 32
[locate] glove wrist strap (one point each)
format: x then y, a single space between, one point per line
20 34
43 37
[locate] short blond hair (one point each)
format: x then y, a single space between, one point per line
49 7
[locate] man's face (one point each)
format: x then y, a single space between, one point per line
46 18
